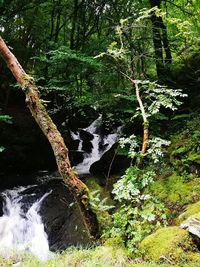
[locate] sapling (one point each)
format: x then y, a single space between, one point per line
140 212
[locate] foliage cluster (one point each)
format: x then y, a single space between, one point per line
7 119
185 148
140 212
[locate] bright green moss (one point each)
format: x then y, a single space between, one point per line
176 189
171 243
194 157
192 211
184 147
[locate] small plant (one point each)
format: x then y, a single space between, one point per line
140 211
97 203
6 119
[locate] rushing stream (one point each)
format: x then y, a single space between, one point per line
21 226
21 229
100 144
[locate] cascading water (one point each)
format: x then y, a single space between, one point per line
22 229
100 144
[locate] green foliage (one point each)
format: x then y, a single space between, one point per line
98 204
183 24
101 203
154 152
7 119
185 146
63 54
140 212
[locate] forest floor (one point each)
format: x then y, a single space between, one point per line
101 256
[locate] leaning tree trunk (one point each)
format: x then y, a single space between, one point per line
38 111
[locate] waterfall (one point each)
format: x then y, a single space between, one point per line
21 227
100 144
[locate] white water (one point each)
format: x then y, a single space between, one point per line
20 231
106 143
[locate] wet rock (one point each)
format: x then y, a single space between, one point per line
1 206
62 219
60 213
82 119
10 181
110 163
85 136
192 225
87 146
76 157
75 144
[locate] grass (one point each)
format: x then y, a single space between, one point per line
102 256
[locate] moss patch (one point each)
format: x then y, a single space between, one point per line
184 148
177 189
192 211
170 243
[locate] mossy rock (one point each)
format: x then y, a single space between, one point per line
170 243
192 211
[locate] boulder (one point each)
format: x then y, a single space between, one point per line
192 225
171 245
85 136
60 213
62 218
76 157
192 210
110 163
191 221
82 118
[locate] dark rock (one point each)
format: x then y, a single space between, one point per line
76 144
76 157
62 219
102 146
83 118
27 149
10 181
86 136
60 214
1 206
110 163
87 146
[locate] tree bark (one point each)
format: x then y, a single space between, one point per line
38 111
145 120
160 41
144 116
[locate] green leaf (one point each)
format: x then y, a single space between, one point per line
2 148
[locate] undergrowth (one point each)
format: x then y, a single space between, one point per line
102 256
